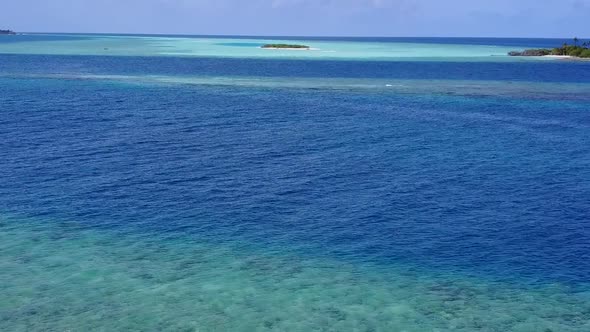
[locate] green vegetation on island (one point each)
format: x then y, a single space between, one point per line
7 32
577 50
287 46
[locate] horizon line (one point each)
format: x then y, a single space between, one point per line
282 36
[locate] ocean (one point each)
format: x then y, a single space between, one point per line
200 183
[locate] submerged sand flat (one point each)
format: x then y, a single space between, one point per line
468 88
59 276
251 48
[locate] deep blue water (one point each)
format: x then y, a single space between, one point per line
492 186
38 37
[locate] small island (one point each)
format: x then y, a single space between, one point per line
576 50
286 47
7 32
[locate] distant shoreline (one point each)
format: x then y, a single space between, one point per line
292 47
579 50
7 32
286 48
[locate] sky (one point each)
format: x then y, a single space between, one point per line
436 18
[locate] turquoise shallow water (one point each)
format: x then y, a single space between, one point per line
228 47
153 192
59 276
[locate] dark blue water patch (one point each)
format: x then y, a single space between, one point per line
543 71
21 38
479 185
516 42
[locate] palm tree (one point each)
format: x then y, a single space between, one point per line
576 40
